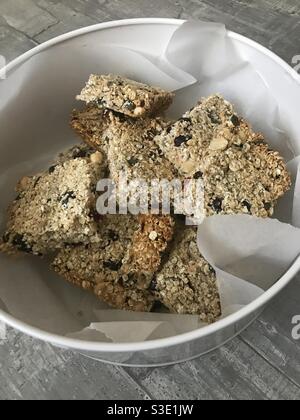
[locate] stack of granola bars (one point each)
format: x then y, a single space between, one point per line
134 261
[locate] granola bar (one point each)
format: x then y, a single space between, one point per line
246 180
98 268
55 208
239 172
132 150
187 283
149 243
125 96
83 150
92 126
187 141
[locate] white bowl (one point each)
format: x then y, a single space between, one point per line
42 112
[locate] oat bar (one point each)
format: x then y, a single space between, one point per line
83 150
248 180
239 171
92 125
133 150
128 144
125 96
187 283
211 126
149 244
98 268
55 208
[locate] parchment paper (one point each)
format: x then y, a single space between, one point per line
249 254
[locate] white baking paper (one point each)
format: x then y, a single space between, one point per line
256 250
140 327
196 60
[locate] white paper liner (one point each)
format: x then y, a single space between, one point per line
139 327
249 254
256 250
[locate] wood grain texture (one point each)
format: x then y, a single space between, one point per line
271 335
14 42
33 370
26 16
234 372
264 362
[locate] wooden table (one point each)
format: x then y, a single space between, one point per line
264 362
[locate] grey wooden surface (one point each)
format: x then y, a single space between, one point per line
264 362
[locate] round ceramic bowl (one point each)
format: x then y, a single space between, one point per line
138 34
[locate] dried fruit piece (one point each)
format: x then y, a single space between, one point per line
180 140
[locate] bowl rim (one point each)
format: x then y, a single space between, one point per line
89 346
